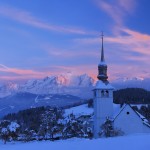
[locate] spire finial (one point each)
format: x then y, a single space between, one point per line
102 51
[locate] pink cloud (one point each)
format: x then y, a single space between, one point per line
116 71
124 48
73 51
133 40
117 9
27 18
128 5
4 68
22 74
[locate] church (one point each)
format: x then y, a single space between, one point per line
126 119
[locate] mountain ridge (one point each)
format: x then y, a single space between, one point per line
68 84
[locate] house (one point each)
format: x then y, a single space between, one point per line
131 121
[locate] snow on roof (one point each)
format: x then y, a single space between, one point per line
145 121
102 85
102 63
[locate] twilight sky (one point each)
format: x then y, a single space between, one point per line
39 38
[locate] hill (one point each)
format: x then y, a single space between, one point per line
132 96
24 100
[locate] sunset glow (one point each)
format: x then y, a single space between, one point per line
42 38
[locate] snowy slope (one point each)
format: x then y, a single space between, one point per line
80 110
134 142
85 110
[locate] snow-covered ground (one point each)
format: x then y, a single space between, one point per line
80 110
134 142
85 110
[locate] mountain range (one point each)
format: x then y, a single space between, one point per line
68 84
60 91
54 91
61 84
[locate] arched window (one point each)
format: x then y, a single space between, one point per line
106 93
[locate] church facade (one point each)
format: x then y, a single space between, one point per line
127 120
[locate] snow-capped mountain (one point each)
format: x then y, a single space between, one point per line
61 90
69 84
60 84
132 83
8 89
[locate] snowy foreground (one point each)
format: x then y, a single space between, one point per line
134 142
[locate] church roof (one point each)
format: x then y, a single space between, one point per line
103 85
102 63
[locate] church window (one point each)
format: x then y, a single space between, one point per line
128 113
102 93
106 93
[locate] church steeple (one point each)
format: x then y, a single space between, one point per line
102 67
103 96
102 51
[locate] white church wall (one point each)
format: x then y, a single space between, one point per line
103 108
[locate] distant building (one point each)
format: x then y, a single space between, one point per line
128 120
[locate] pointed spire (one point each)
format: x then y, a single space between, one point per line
102 66
102 51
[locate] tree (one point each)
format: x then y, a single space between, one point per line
108 130
50 126
29 135
8 130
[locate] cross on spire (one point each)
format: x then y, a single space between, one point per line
102 51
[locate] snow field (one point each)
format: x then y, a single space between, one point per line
134 142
